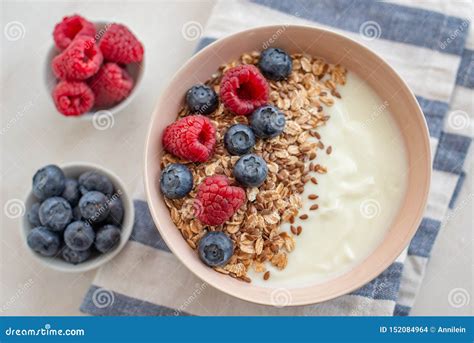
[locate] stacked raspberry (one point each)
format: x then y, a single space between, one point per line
91 65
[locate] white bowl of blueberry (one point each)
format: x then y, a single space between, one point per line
78 217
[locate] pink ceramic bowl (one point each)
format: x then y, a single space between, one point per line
334 48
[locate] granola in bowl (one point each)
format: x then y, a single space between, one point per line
253 225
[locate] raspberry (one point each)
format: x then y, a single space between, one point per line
71 27
111 85
73 98
79 61
243 89
120 45
191 138
216 200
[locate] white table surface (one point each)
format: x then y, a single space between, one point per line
34 134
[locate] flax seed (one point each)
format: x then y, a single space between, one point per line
299 229
314 180
329 150
293 230
266 276
304 216
314 207
317 135
312 197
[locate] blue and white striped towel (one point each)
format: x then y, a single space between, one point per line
427 47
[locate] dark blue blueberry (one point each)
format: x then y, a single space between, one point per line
55 213
275 64
215 249
107 238
94 181
71 192
250 170
267 121
43 241
79 236
76 213
201 99
33 215
48 182
116 211
176 181
239 139
74 256
94 206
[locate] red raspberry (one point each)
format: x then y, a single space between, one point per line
81 59
243 89
191 138
111 85
73 98
71 27
216 201
120 45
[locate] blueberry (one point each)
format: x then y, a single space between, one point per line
74 256
201 99
250 170
215 248
107 238
267 121
71 192
76 213
55 213
94 181
116 211
239 139
79 236
33 215
275 64
94 206
176 181
43 241
48 182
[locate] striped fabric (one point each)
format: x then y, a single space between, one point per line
428 48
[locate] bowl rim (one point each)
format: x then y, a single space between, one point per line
376 270
100 260
89 115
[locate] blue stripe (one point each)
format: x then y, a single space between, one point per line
434 112
403 24
401 311
451 153
203 42
422 242
465 75
457 190
385 286
144 229
117 304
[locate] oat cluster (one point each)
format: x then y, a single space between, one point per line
291 158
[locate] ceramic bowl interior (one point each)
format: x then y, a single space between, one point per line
135 70
73 170
334 48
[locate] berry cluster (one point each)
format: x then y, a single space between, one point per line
243 91
91 65
74 218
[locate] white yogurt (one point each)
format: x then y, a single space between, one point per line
358 197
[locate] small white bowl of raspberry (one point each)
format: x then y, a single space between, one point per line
94 68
